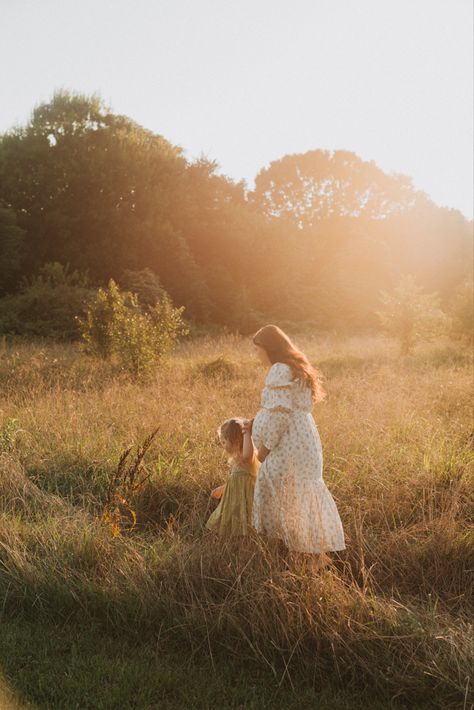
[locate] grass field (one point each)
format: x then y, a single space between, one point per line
165 616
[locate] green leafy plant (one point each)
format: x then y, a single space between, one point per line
145 283
462 312
410 315
47 303
99 325
115 326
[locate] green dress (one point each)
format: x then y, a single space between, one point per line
233 515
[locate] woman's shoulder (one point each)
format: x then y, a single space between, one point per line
279 375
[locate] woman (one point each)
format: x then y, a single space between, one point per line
291 500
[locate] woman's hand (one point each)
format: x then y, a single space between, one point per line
218 492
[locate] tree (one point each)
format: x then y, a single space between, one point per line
316 241
461 312
145 284
100 192
91 188
349 229
320 184
46 304
11 242
410 315
432 243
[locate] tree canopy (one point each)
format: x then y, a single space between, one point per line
319 237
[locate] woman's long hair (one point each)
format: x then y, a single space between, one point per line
279 348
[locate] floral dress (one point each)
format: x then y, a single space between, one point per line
291 500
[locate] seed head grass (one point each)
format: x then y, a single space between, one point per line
392 613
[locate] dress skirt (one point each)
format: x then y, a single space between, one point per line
292 501
233 515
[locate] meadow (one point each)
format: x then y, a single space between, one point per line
166 615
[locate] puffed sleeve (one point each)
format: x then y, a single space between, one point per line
276 424
277 399
277 393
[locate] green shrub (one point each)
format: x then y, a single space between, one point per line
98 328
145 284
11 243
115 325
410 315
47 304
462 312
221 368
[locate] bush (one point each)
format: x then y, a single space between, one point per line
116 326
145 284
98 328
410 315
11 243
47 304
462 312
220 368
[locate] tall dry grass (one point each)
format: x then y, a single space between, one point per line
392 613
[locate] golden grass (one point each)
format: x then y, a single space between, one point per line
392 613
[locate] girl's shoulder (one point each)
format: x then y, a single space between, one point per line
279 375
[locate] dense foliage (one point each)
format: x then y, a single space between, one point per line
409 315
316 241
46 304
116 325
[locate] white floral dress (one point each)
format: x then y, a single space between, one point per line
291 500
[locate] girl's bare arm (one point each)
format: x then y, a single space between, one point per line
248 449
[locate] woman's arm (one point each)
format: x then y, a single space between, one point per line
275 426
249 450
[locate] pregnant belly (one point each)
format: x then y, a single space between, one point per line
257 428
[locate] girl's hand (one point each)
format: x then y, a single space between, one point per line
247 427
218 492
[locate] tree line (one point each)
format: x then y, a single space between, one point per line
316 241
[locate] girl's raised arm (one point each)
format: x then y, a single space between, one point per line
248 449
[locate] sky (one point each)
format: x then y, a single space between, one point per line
245 82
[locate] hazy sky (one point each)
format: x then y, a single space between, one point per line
248 81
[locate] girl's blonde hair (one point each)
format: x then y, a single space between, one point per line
231 431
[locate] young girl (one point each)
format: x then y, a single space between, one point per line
233 515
